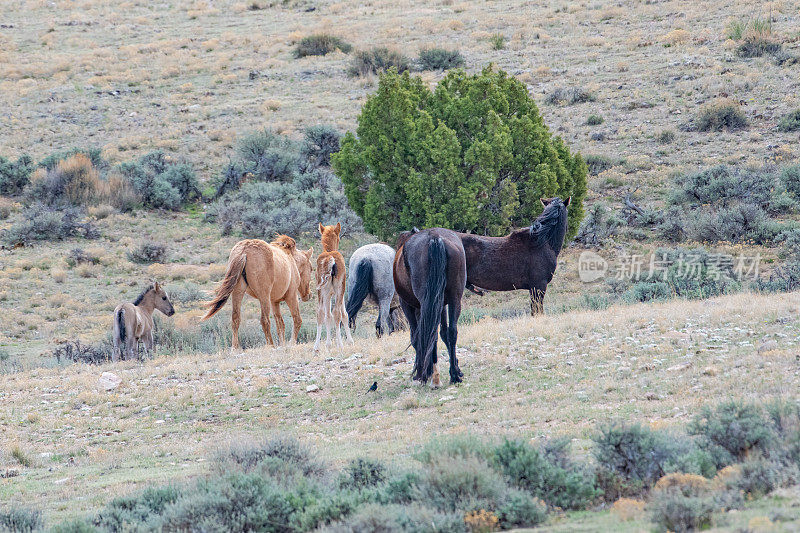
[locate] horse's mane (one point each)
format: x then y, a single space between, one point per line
551 226
139 298
284 241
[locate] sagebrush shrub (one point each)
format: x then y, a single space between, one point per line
77 352
665 136
363 472
319 142
790 122
148 252
569 96
399 519
790 178
600 225
14 176
560 485
160 182
320 44
21 520
639 456
41 222
377 60
721 114
737 224
732 429
673 511
599 163
94 155
439 59
594 120
73 180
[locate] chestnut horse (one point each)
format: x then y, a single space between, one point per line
272 273
331 287
525 259
133 323
430 273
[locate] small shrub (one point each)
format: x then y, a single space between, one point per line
319 143
673 511
759 476
399 519
790 178
482 521
719 115
594 120
6 207
21 457
148 252
463 484
459 446
377 60
320 44
732 429
498 41
600 225
665 136
73 180
634 458
439 59
559 485
569 96
78 256
783 278
77 352
40 222
160 182
521 510
737 224
94 154
789 122
726 186
186 293
599 163
271 455
14 177
362 473
21 520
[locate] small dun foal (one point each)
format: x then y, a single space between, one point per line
133 323
330 287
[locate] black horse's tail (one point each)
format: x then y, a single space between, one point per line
361 287
431 305
121 327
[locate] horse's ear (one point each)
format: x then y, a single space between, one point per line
569 199
338 228
321 228
309 252
545 201
156 285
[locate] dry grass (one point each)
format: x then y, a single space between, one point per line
528 376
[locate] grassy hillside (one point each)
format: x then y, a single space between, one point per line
532 377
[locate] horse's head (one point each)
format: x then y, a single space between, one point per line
551 225
330 236
303 260
161 299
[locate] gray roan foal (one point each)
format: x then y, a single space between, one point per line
370 276
133 323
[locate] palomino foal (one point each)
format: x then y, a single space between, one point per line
330 287
133 323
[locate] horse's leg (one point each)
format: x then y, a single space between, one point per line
280 325
320 318
454 311
328 318
537 301
297 321
149 344
383 325
344 319
236 313
265 326
436 381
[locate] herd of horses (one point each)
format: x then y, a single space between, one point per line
426 275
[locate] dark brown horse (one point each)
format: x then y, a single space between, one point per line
525 259
430 273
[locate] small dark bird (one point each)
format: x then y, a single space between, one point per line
374 387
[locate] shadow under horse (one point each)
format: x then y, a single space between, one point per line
525 259
430 274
